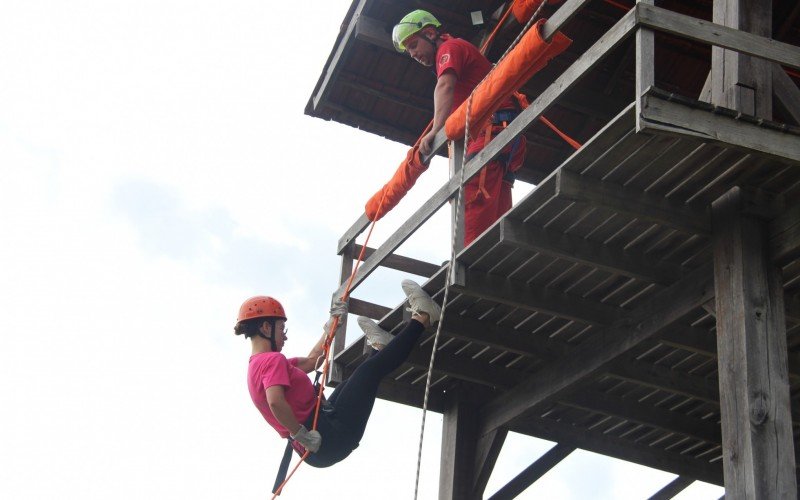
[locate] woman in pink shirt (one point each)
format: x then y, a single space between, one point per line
283 393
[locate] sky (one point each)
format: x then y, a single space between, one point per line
157 169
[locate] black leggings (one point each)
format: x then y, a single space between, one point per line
343 422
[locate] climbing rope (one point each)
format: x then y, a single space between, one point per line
326 352
451 265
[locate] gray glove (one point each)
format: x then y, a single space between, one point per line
311 440
338 309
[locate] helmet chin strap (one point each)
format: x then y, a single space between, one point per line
271 339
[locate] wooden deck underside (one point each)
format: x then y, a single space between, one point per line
587 315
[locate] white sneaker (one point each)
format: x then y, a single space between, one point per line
420 302
377 337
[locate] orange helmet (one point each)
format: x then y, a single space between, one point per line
261 307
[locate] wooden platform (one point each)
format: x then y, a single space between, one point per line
586 316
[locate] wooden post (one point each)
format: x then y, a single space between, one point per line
459 436
336 373
457 210
739 81
758 450
645 64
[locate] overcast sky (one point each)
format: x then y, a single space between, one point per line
157 169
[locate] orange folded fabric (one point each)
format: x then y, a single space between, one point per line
528 57
393 191
524 9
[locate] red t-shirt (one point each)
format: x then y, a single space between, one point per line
272 368
470 67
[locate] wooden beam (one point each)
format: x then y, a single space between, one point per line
740 81
646 414
599 442
487 450
717 35
665 379
332 65
533 472
404 264
787 95
372 31
340 340
714 124
522 296
634 203
677 485
758 458
459 428
784 236
601 349
500 337
645 63
465 368
611 258
363 308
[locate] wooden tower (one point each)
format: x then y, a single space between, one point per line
643 301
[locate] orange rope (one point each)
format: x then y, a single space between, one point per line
572 142
327 348
792 72
618 5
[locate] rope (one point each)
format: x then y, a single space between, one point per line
327 348
451 265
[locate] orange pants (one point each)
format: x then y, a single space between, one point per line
484 207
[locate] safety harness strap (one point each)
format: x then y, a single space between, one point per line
284 467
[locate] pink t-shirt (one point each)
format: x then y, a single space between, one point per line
272 368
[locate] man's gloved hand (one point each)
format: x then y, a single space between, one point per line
311 440
338 309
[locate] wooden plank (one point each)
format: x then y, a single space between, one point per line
632 202
562 16
500 337
464 368
459 428
715 34
340 340
368 309
371 30
679 119
784 236
758 458
787 94
677 485
646 414
612 258
533 472
645 63
352 232
401 263
487 450
665 379
739 81
597 352
520 295
598 442
332 66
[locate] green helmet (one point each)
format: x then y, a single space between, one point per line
411 24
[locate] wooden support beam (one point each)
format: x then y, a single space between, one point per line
677 485
645 63
598 442
787 95
340 340
487 450
740 81
597 352
458 451
332 66
363 308
533 472
520 295
401 263
675 117
634 203
758 458
663 378
372 31
612 258
465 368
718 35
